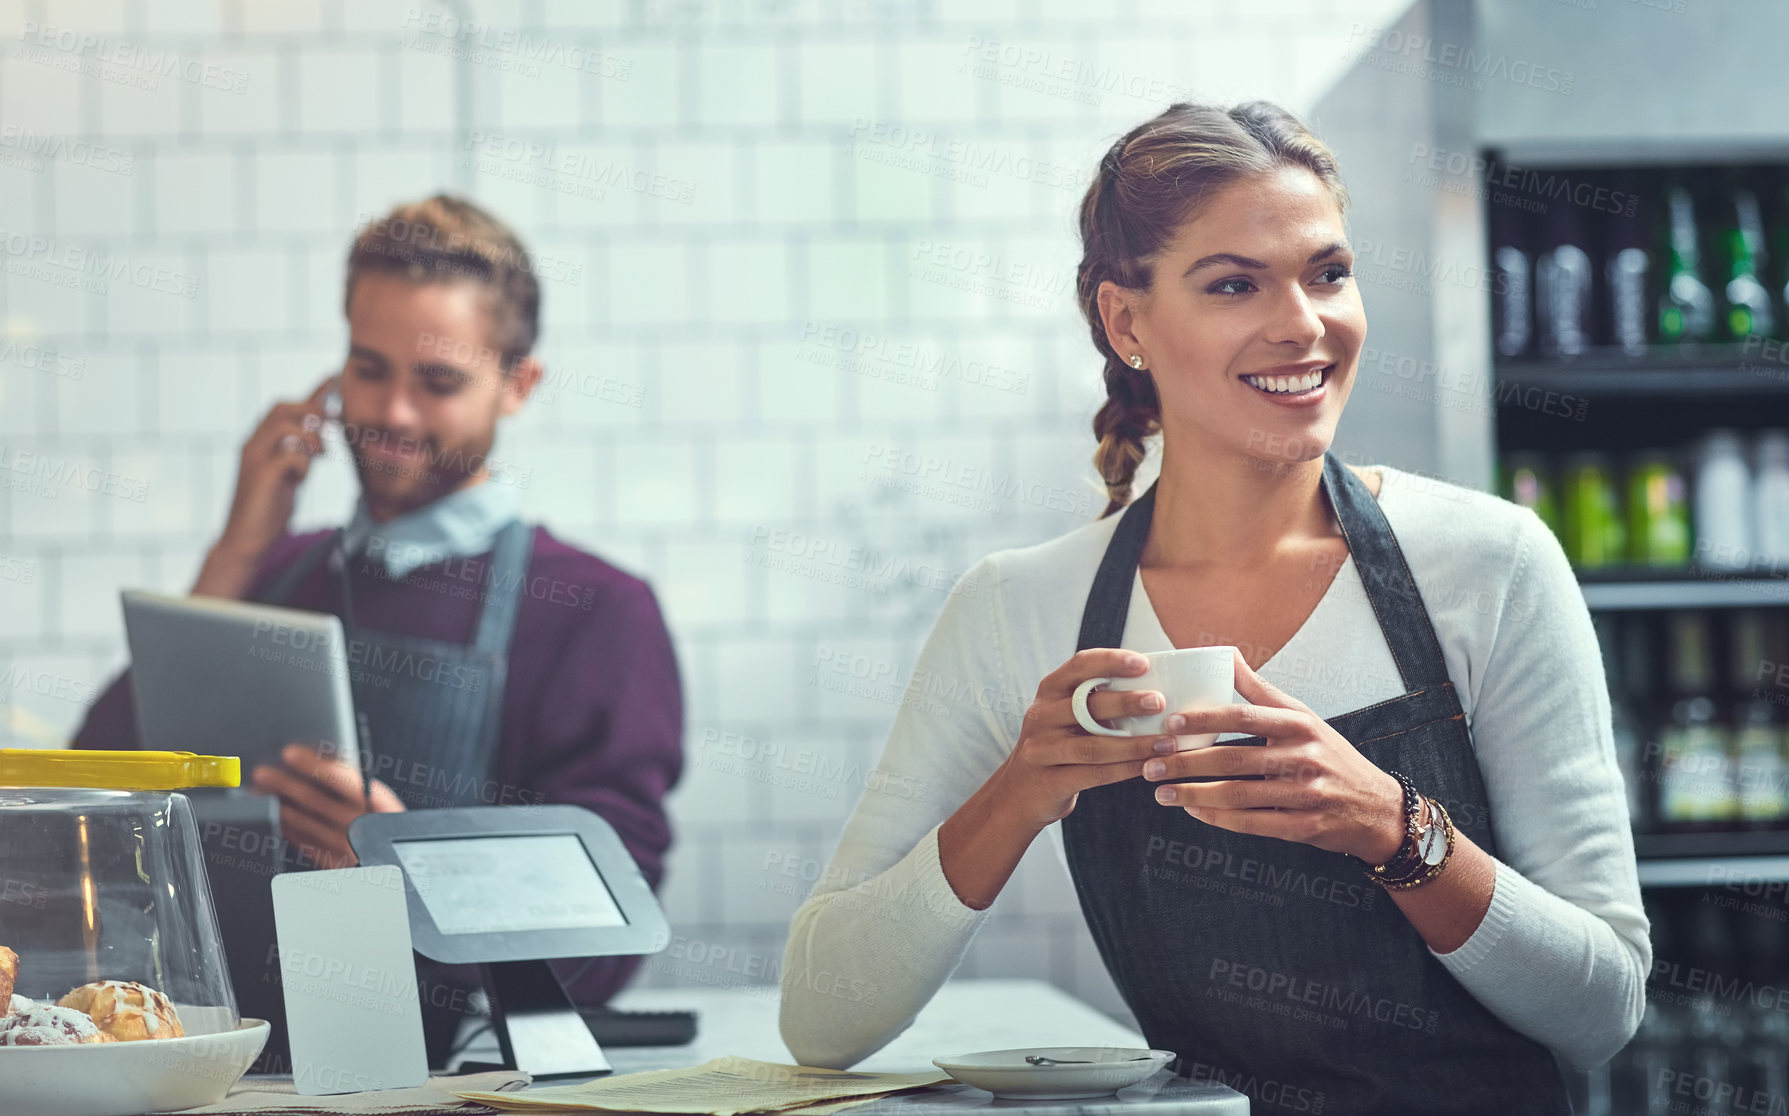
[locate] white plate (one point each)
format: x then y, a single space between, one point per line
1006 1073
127 1078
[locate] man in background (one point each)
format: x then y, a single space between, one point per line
496 664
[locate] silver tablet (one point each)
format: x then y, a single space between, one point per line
228 678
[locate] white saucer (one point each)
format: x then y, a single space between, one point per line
127 1078
1006 1073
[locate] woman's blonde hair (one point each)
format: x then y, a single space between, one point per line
1149 184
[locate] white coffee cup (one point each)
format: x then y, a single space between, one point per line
1187 678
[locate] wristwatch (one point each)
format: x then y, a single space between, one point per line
1432 839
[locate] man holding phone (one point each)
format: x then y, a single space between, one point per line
493 663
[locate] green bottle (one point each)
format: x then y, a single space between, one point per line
1743 248
1593 534
1658 512
1687 306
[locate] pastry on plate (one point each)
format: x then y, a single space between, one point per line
9 972
48 1025
125 1010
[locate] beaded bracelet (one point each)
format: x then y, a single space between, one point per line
1427 872
1406 856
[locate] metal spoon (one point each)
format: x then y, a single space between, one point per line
1046 1060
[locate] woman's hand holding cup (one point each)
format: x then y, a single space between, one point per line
1307 783
1056 758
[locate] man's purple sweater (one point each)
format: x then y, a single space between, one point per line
592 708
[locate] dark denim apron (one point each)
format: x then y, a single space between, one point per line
435 711
435 708
1275 967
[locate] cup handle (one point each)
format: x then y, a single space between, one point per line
1079 704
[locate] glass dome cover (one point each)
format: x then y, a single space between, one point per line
106 880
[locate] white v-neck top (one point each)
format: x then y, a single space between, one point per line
1561 956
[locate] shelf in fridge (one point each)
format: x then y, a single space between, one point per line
1639 587
1747 857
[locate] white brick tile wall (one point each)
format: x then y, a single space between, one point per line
250 291
693 184
738 82
757 480
585 13
541 91
296 191
154 491
730 388
793 183
339 91
211 402
29 377
134 102
41 296
658 483
649 282
841 81
934 79
196 191
22 591
274 17
848 279
425 90
648 91
95 199
105 400
388 173
249 102
86 605
181 17
36 84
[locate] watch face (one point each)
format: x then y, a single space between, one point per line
1434 845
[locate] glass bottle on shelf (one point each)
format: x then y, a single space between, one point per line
1723 502
1761 772
1658 512
1741 235
1770 498
1628 270
1512 284
1564 286
1696 769
1686 305
1593 535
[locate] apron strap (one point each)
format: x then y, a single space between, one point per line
1109 602
503 591
1386 577
1384 574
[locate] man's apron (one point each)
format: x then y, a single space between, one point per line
435 711
435 708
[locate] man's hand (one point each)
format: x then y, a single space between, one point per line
319 797
274 462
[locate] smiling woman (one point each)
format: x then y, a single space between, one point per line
1401 879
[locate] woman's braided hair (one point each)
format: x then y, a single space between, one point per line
1147 186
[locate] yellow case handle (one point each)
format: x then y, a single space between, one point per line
57 767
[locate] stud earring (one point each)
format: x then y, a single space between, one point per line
1136 361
